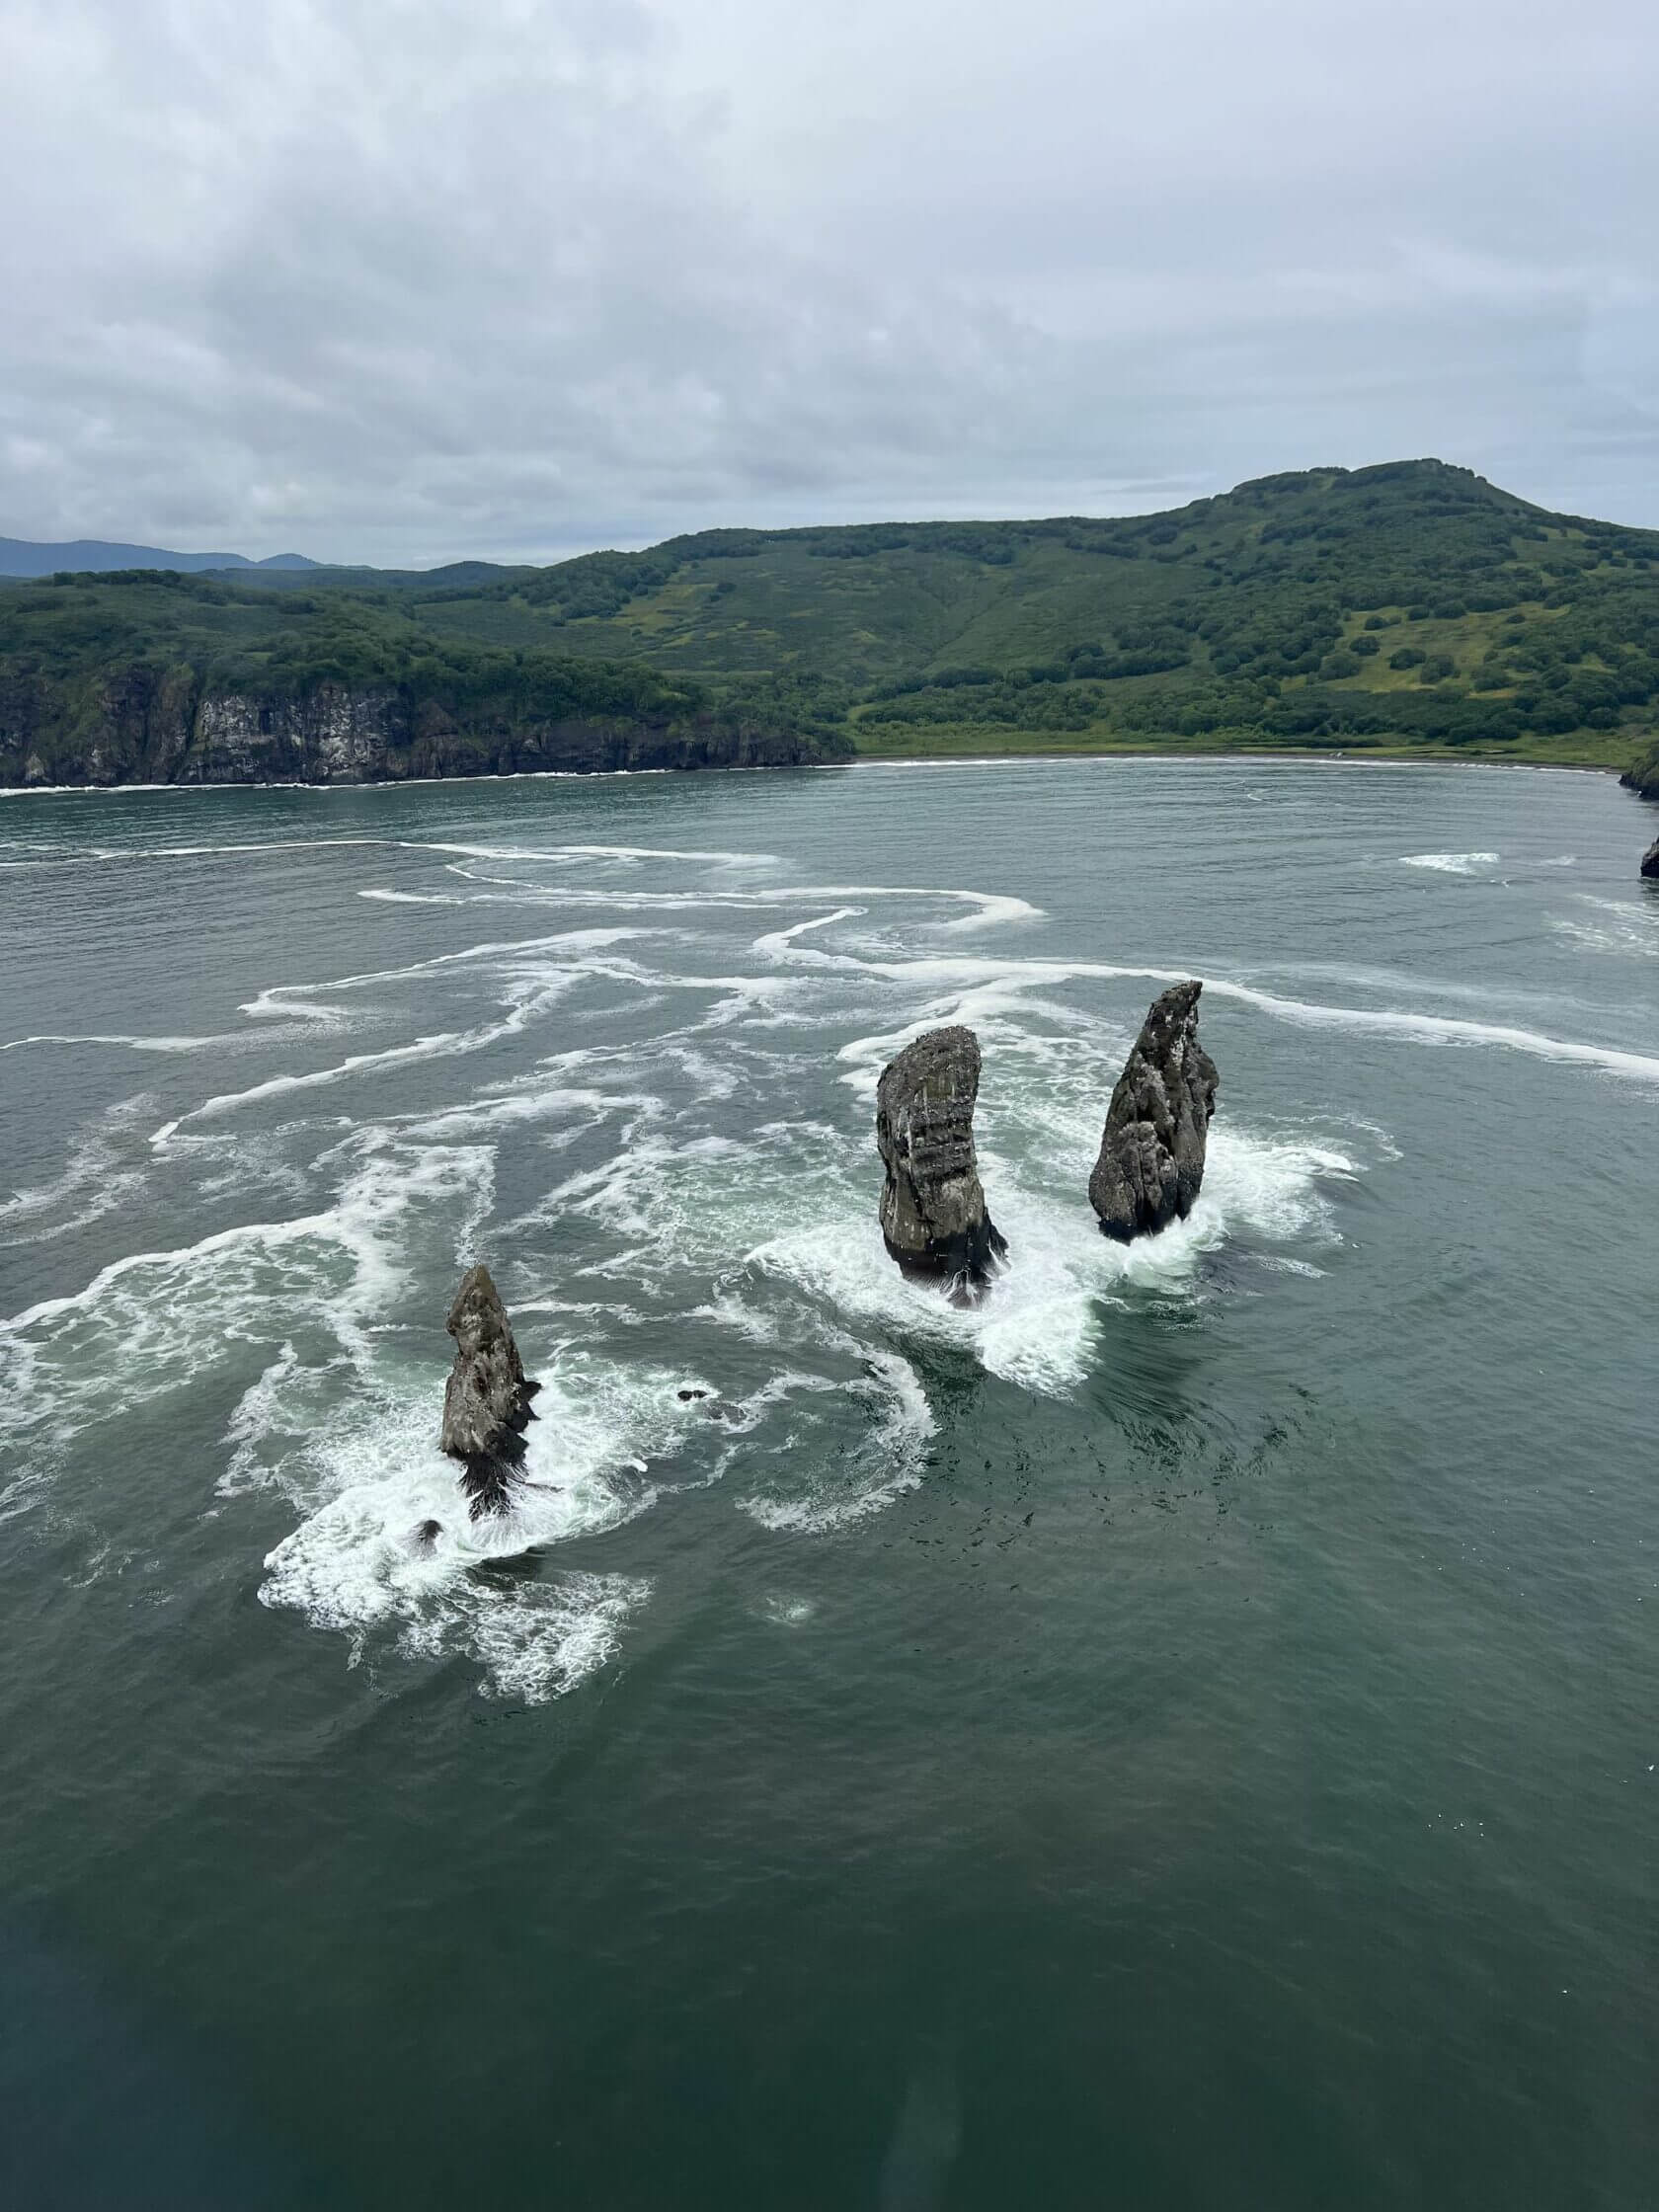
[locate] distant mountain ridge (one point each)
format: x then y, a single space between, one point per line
86 556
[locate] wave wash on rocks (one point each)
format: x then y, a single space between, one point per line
1152 1151
933 1214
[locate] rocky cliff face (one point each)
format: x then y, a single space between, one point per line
143 725
933 1214
338 736
1157 1124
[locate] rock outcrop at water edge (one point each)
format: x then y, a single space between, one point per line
1643 776
932 1205
1650 860
487 1401
1151 1151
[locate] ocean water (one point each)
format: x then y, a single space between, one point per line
1183 1734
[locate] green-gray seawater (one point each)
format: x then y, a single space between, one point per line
1183 1735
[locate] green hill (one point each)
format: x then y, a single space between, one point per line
1407 607
1411 604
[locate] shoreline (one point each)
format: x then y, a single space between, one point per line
1615 758
1401 756
1298 757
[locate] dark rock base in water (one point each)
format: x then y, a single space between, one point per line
965 1263
490 1477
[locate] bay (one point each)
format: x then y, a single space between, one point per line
1182 1734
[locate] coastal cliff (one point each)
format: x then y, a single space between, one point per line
162 678
146 726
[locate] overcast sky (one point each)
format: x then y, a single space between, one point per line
404 280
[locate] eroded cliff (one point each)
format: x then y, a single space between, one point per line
141 725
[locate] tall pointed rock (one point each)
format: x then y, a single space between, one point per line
1152 1151
487 1400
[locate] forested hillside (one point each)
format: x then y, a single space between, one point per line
1412 604
1406 602
152 675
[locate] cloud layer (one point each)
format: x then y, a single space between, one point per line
409 280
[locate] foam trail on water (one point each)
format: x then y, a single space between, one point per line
278 1086
154 1299
1452 863
382 897
1622 926
87 853
292 1000
1445 1029
560 853
955 977
1355 976
778 944
267 1236
851 1486
94 1179
20 1494
529 1000
272 844
118 1041
984 909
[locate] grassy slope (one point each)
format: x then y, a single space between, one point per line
1269 616
1230 622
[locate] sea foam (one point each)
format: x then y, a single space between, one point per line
1452 863
688 1107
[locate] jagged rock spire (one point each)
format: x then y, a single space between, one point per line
1151 1151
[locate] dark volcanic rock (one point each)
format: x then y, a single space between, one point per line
1152 1151
932 1205
487 1403
1650 859
1643 776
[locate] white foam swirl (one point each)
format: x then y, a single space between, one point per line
1452 863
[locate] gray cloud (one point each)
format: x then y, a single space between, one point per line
405 280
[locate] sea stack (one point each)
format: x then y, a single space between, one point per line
1650 860
487 1403
932 1204
1152 1151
